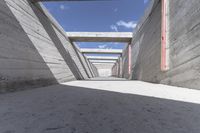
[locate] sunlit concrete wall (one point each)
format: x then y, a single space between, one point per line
184 56
34 48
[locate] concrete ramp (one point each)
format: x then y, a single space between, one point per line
101 107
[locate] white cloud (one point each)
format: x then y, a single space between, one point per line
116 43
146 1
102 46
121 23
114 27
116 9
62 7
129 25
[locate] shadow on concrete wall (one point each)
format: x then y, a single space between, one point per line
20 68
82 59
147 46
47 24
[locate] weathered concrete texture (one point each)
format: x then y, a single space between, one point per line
101 107
34 50
184 31
184 40
146 47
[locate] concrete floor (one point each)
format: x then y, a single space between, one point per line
99 106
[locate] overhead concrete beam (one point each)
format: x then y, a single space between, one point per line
69 0
101 58
64 0
103 61
54 0
100 36
103 65
101 51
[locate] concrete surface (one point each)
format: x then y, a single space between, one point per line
97 106
100 36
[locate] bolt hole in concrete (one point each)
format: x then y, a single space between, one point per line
99 106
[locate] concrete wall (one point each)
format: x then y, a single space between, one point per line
104 70
125 63
34 50
93 68
120 67
85 64
146 47
184 32
117 68
184 40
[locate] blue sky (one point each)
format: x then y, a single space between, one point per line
98 16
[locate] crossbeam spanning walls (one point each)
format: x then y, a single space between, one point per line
102 57
124 37
100 36
102 61
64 0
101 51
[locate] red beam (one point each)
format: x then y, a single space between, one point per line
164 52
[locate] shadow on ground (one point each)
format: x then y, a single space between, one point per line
68 109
